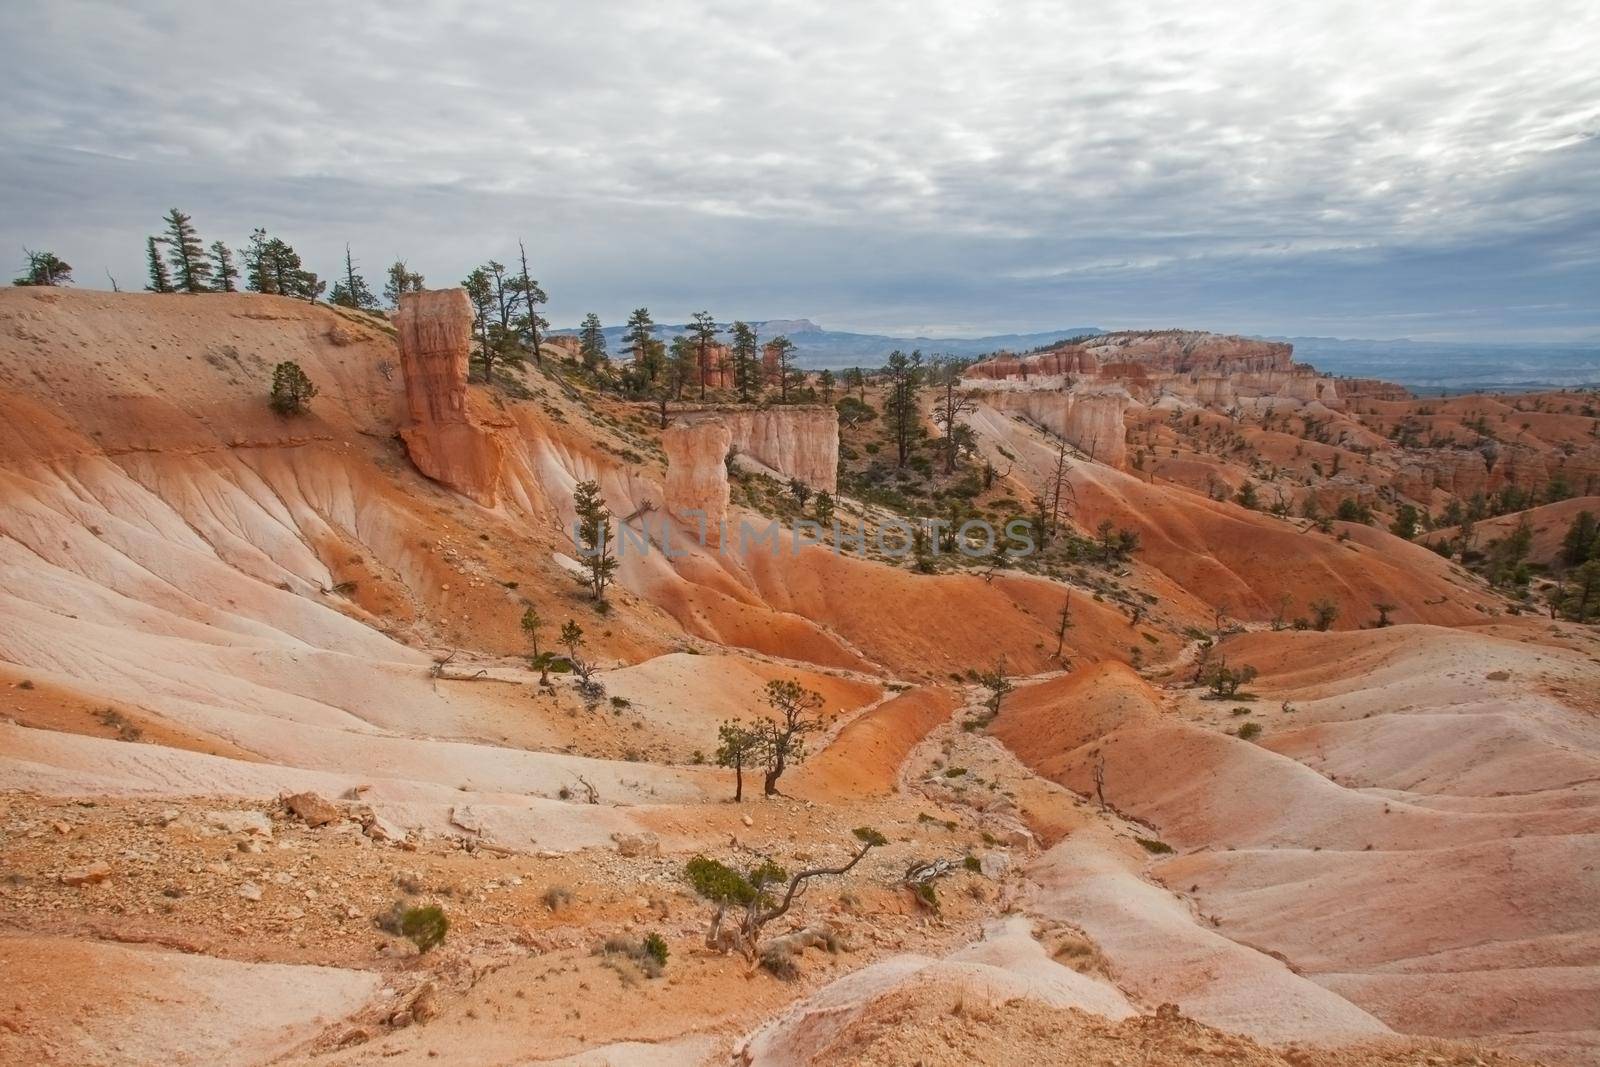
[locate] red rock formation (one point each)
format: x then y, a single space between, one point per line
1582 470
697 472
771 366
795 441
716 367
1460 472
1211 369
1519 468
1090 418
443 437
567 346
1372 389
792 442
1163 352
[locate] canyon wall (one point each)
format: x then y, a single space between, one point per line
800 442
792 442
1212 369
1090 418
446 440
1465 473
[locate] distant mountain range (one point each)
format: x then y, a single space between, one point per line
1424 365
816 348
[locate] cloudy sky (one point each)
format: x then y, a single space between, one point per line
1427 168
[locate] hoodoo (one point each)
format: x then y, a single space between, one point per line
443 436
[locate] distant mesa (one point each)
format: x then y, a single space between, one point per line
773 327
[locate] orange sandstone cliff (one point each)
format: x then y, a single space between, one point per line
445 439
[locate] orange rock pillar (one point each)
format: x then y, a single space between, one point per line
443 439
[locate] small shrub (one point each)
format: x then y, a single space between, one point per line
126 730
648 956
1154 847
954 772
425 926
557 897
1249 731
972 864
779 962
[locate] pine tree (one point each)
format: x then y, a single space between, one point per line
737 745
783 738
44 268
258 277
591 341
680 365
401 280
1583 592
703 331
951 406
1582 540
531 322
480 292
594 537
222 268
784 349
191 271
746 361
353 291
273 266
160 279
291 389
1063 624
292 278
900 407
640 343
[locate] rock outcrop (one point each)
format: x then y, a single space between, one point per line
800 442
442 436
789 442
1211 369
1372 389
1460 472
697 472
1089 418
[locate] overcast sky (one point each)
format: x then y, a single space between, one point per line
1424 168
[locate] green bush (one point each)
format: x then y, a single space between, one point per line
425 926
655 946
291 389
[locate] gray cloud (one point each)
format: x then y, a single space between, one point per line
1423 168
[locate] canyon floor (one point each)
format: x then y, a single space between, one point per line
1383 850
